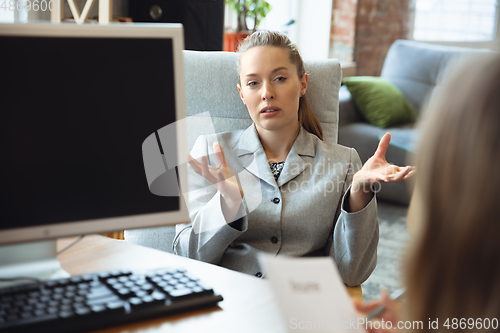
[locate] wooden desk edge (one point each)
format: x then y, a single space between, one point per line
103 242
65 259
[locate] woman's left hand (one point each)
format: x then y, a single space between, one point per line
377 169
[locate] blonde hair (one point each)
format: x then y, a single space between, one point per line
453 268
307 118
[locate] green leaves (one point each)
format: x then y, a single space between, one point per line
256 9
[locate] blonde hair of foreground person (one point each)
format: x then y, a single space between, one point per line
453 266
307 118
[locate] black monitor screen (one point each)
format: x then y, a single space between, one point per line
74 113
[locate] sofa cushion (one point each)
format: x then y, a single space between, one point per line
380 102
417 68
347 110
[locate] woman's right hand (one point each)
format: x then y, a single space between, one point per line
390 314
221 177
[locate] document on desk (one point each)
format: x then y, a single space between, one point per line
311 295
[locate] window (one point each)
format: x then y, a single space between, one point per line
455 20
12 11
311 26
6 12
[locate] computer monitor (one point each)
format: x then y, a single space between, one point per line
84 142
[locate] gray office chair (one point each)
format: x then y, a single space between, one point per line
211 79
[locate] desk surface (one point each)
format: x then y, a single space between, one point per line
248 305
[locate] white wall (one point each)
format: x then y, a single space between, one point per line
313 28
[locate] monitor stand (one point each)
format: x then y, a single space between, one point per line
34 259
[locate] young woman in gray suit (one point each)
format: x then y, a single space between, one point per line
276 187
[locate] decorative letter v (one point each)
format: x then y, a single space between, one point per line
104 11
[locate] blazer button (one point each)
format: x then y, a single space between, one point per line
274 240
276 200
259 274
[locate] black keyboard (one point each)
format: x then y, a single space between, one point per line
99 300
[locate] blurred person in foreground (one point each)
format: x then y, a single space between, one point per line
452 266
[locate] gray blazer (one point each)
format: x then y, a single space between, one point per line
301 214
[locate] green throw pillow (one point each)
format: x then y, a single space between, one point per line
380 102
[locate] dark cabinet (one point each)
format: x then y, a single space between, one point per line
203 20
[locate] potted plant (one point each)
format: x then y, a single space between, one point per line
254 9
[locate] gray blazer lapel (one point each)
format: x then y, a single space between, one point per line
252 156
295 164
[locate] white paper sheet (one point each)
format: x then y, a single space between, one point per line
311 295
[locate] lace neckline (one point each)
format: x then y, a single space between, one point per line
276 168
